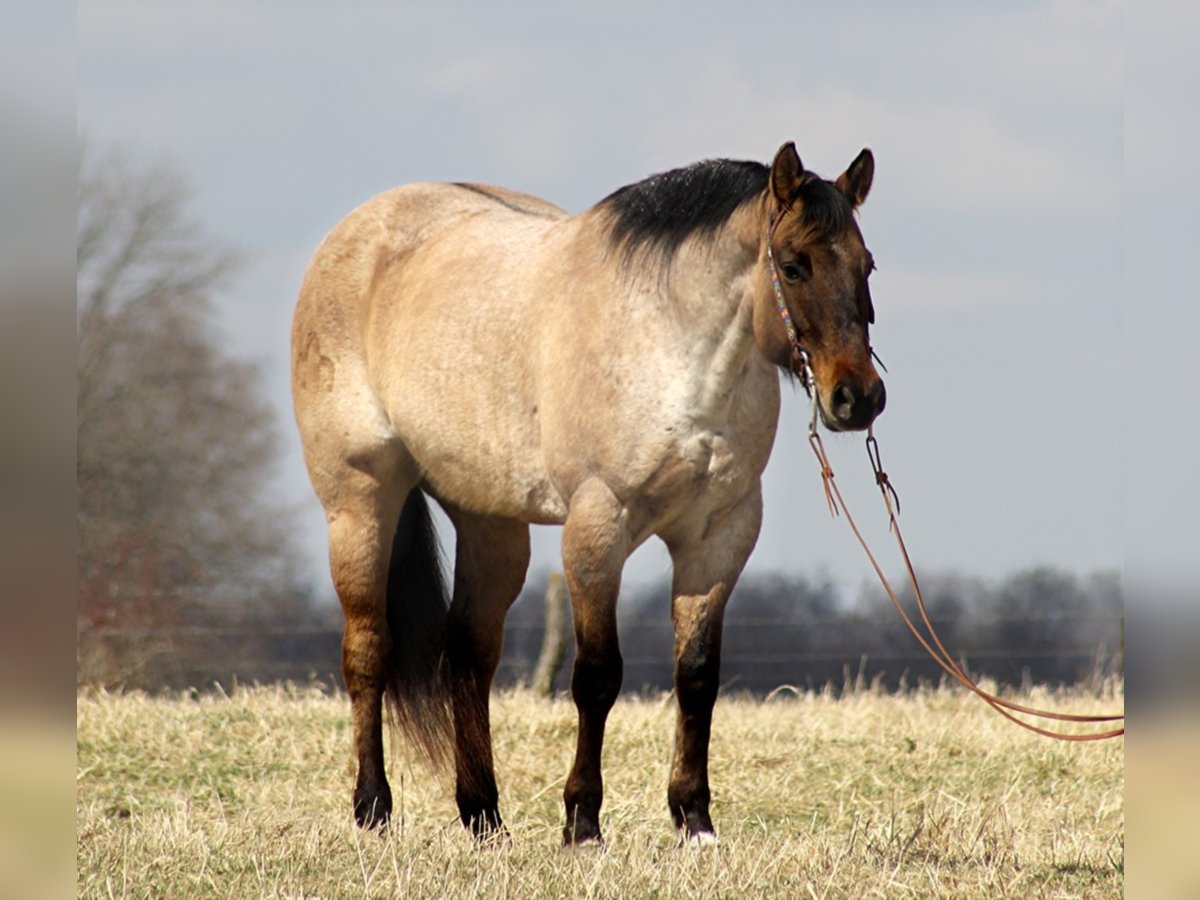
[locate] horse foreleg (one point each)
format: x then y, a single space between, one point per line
490 563
595 544
705 571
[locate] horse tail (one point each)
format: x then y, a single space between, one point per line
416 686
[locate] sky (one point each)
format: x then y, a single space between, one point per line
998 219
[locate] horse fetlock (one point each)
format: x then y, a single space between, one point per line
698 839
582 798
689 802
692 822
582 828
372 805
484 823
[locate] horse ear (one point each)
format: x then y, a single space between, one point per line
785 174
855 182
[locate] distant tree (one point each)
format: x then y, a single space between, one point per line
1044 616
950 599
1105 629
175 441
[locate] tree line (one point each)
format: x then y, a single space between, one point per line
1040 626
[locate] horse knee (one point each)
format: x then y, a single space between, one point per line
697 677
595 683
697 660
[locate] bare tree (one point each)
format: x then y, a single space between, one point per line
175 442
554 638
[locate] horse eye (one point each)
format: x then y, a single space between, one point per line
795 271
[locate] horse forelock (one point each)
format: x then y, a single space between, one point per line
823 209
659 213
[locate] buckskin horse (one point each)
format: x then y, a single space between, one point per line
616 372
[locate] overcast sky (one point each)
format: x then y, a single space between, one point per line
997 216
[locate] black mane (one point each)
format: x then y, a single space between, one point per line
662 211
659 213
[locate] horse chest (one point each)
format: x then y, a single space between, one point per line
702 473
712 460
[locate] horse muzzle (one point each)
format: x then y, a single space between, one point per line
852 405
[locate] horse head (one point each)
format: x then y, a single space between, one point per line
812 292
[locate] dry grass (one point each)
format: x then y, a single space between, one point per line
869 795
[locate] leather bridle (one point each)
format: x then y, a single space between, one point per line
799 363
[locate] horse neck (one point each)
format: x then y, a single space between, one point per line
713 285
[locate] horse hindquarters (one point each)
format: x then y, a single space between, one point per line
382 548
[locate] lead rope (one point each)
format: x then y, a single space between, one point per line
801 365
941 655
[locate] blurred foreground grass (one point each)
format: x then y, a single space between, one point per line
866 795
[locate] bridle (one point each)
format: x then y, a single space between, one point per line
799 361
800 364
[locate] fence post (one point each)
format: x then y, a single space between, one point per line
554 640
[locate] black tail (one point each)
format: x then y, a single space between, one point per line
416 686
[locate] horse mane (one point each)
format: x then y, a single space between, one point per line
656 215
659 213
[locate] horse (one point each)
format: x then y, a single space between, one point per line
616 372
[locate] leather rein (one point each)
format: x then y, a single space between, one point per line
800 365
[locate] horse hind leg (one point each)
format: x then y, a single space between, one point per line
385 570
360 541
490 565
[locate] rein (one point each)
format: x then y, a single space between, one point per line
800 364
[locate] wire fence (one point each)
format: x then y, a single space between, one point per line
761 652
733 624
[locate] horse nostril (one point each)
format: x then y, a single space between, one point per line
844 399
855 405
878 396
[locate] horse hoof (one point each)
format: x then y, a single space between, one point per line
595 842
372 811
583 834
699 839
484 824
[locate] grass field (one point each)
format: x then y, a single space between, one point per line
869 795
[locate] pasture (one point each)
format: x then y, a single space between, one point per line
814 795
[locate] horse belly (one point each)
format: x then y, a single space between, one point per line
492 484
480 455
